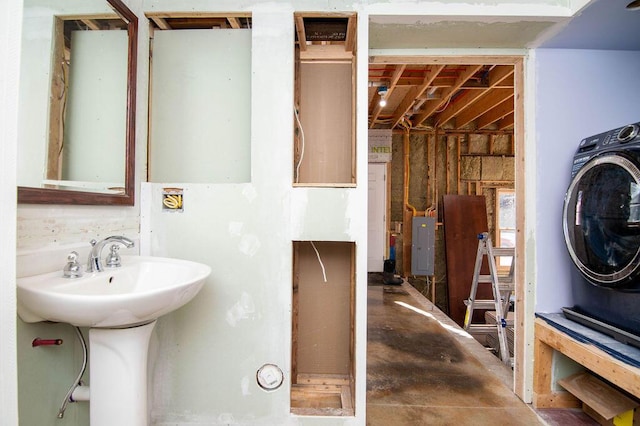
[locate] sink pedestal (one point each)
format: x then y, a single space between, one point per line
118 375
111 303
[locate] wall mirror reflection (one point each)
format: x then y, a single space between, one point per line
77 98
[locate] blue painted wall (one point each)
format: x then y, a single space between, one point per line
578 93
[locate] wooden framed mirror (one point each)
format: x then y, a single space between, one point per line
52 191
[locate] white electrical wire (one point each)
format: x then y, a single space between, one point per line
324 273
295 111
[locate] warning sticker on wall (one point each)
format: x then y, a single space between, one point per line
172 200
379 145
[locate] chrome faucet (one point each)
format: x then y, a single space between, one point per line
95 256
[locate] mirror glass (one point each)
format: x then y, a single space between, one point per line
77 98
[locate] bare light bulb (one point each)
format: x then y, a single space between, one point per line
383 103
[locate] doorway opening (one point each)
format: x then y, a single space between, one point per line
457 125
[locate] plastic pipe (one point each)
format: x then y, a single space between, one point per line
80 393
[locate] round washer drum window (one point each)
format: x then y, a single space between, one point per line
601 221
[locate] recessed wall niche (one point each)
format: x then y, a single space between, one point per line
324 115
323 340
200 98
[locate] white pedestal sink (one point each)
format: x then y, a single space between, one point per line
120 376
120 306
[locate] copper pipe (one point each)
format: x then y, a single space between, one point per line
407 175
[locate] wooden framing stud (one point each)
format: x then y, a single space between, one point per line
234 22
91 24
326 52
350 39
302 36
161 23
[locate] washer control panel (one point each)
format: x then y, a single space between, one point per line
621 138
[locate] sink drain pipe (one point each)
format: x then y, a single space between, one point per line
77 392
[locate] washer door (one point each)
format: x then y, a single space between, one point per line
601 221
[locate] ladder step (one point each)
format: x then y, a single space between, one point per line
501 279
482 328
486 328
502 286
482 304
504 251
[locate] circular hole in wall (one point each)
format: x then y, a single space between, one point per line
270 377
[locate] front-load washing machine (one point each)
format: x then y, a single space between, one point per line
601 224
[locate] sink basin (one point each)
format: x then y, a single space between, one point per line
141 290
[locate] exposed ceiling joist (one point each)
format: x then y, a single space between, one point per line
393 81
507 122
496 76
410 98
442 93
484 104
442 104
496 113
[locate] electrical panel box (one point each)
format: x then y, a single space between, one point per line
423 235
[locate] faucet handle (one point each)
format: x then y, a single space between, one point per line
72 269
113 258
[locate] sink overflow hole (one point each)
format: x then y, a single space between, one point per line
110 280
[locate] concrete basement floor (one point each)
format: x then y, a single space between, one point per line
422 369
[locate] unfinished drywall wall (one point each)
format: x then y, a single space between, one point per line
206 72
204 357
